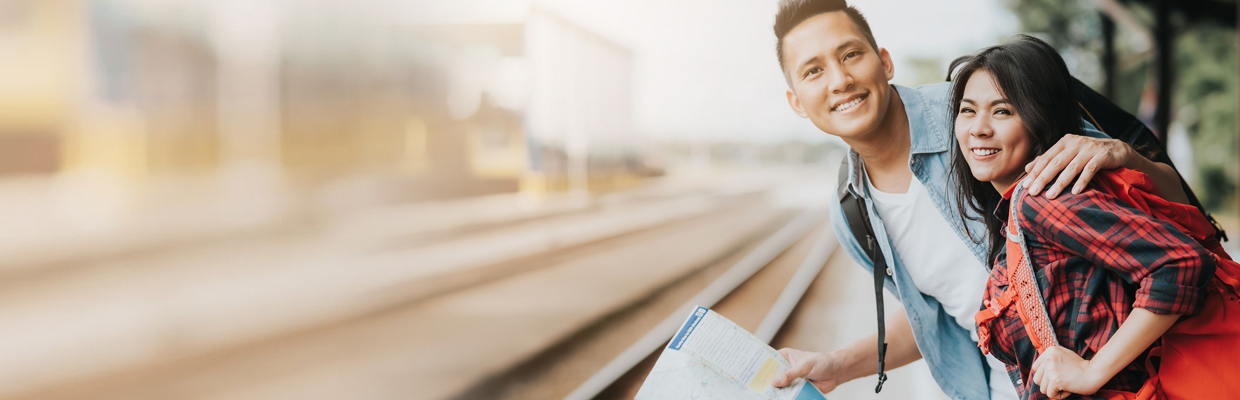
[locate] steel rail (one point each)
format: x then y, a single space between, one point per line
725 284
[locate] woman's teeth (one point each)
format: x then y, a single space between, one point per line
850 104
985 152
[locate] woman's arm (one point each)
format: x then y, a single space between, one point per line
1164 176
1060 372
1077 157
1169 267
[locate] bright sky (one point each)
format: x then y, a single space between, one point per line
706 69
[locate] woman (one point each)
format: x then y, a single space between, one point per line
1107 277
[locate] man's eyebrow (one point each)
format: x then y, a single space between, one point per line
850 42
812 60
842 46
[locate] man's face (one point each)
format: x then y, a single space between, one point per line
838 80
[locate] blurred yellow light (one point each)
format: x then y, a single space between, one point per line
415 144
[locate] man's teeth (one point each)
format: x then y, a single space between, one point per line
850 104
985 152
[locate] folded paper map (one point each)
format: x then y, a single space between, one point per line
712 358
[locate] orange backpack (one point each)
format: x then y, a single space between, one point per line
1199 356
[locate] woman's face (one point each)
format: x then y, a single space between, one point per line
990 133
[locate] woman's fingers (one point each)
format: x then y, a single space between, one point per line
1040 165
1036 373
1049 371
1055 167
1065 177
1047 383
1087 175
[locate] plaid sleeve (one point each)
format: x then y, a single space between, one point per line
1171 268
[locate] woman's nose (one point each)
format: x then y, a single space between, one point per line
980 128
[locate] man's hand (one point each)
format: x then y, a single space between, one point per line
859 359
824 370
1076 155
1060 372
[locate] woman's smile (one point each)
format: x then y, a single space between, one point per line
980 153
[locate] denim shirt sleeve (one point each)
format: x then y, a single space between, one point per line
1093 132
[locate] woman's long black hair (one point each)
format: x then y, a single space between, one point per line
1035 81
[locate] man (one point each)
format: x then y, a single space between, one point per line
838 79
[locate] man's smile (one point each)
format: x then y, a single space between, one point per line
850 102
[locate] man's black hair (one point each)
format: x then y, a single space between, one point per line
794 12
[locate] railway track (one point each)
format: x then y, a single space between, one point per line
579 318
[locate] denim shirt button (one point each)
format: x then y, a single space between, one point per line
888 271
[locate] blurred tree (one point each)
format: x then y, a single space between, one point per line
1204 93
1072 26
1064 23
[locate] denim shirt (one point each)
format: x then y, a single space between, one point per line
954 359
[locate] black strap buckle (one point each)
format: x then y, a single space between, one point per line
882 376
1219 234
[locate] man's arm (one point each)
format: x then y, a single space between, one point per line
1083 156
857 360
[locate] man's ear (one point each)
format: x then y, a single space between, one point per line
796 104
888 67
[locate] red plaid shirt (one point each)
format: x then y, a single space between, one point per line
1095 258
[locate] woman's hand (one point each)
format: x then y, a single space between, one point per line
1077 157
1060 372
824 370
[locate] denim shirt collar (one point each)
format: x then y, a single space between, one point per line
925 131
925 136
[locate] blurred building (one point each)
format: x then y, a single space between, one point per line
570 90
303 97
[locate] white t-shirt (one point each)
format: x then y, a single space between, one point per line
939 263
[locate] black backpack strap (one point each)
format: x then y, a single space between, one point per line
859 223
1119 124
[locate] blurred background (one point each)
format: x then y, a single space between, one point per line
433 199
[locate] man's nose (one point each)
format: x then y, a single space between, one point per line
840 80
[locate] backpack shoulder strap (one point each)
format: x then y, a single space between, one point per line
1029 303
859 223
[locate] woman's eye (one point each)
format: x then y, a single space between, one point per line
1003 111
966 110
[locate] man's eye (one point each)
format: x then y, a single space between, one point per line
852 54
812 71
